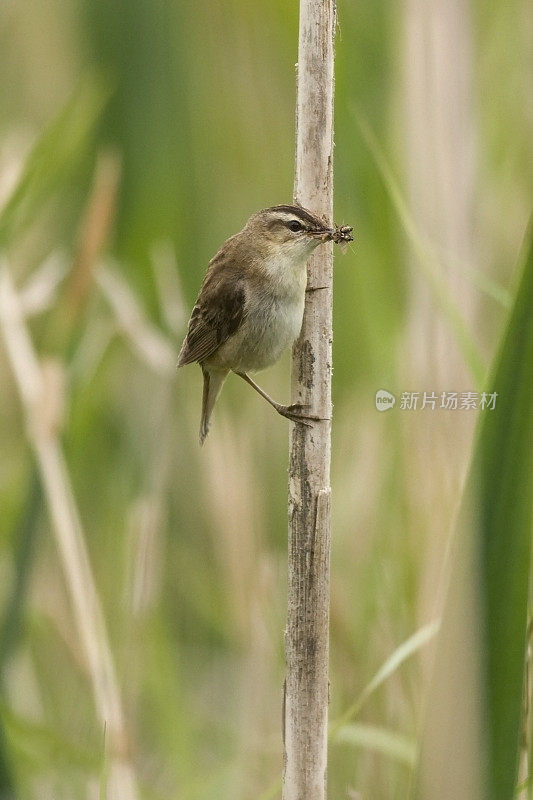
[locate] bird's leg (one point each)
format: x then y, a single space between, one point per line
296 412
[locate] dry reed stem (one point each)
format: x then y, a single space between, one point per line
94 231
307 634
147 340
42 433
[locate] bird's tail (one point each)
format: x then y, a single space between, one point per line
213 380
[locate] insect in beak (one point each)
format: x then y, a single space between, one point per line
343 234
337 235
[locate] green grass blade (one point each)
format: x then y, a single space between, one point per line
53 157
484 283
340 727
474 711
427 260
411 645
43 744
503 464
394 745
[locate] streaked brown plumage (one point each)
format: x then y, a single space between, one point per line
251 302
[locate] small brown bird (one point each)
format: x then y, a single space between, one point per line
251 303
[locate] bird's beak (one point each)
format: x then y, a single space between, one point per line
324 234
338 235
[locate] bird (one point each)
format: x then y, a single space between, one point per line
251 302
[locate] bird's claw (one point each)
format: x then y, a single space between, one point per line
298 412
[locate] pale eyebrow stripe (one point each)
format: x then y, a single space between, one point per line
293 212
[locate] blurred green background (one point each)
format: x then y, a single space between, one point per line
134 138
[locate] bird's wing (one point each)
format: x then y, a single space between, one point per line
218 313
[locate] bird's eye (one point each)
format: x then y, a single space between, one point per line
295 226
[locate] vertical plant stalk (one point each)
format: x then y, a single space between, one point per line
307 634
41 421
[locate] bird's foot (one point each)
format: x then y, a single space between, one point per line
298 412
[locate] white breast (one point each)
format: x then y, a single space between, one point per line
273 320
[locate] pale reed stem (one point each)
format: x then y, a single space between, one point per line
307 635
43 438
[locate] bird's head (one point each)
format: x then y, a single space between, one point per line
289 230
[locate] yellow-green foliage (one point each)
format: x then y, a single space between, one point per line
188 546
